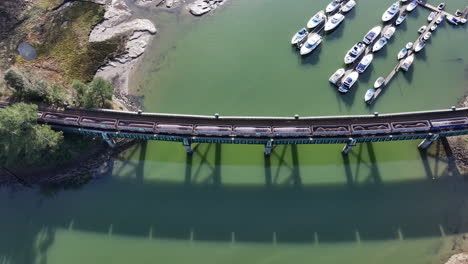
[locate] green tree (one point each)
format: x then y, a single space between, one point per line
94 94
17 81
81 91
22 140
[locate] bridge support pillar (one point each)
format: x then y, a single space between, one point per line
268 148
109 140
352 142
187 145
428 141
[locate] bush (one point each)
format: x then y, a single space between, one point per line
94 94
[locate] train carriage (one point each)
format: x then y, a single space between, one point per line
243 131
339 130
95 122
206 130
177 129
292 131
137 126
410 126
454 123
61 119
365 129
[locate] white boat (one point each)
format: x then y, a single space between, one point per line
427 35
389 32
409 45
453 20
379 44
312 42
441 6
354 52
391 12
407 62
420 45
434 27
431 16
337 75
348 82
316 19
411 6
403 52
440 19
463 20
333 22
333 6
299 36
369 95
379 82
364 63
348 6
372 35
422 29
404 1
400 19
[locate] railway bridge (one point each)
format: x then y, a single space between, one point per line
268 131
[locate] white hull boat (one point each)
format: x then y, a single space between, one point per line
348 82
407 62
364 63
312 42
332 6
369 95
411 6
453 20
354 52
379 44
379 82
390 32
427 35
422 29
400 19
337 75
348 6
372 35
333 22
391 12
316 19
299 36
434 27
431 16
419 46
409 45
441 6
439 19
403 52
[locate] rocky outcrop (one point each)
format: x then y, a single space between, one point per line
461 258
117 22
201 7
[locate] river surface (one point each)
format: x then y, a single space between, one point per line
384 203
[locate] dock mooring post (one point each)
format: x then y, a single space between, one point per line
269 147
352 142
428 141
109 140
187 145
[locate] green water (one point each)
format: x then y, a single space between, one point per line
384 203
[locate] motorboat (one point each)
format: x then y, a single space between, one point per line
407 62
389 32
403 52
441 6
348 6
299 36
379 44
453 20
333 6
391 12
364 63
427 35
333 22
463 20
337 75
409 45
431 16
422 29
400 19
411 6
420 45
369 95
458 12
348 82
440 19
434 27
372 35
316 19
312 42
354 52
379 82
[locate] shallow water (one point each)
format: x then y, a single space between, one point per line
384 203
